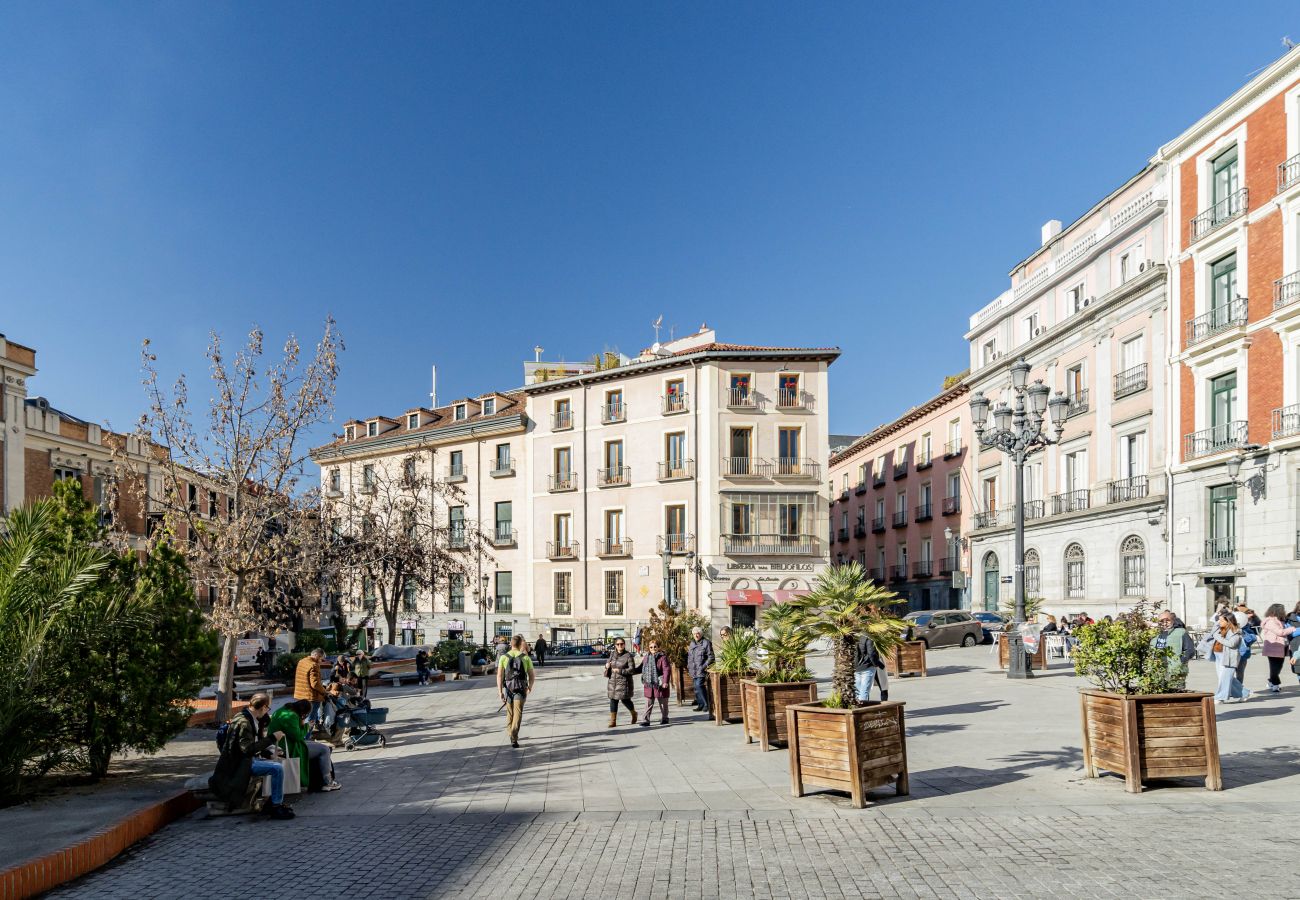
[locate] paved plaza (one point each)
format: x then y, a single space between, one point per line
999 806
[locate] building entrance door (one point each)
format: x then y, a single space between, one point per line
743 616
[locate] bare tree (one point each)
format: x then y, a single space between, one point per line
388 542
231 498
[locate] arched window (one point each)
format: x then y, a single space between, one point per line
1133 563
1033 575
992 578
1074 570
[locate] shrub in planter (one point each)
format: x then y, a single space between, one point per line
732 662
783 678
1140 721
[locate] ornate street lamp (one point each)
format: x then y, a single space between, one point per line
1018 431
485 603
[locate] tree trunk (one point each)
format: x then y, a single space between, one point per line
842 677
226 679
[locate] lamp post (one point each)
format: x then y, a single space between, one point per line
484 601
1018 432
666 555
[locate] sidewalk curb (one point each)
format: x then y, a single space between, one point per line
58 867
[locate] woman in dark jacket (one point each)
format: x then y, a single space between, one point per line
618 687
654 679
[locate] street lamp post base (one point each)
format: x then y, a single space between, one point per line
1017 661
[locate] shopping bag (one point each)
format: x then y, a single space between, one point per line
292 774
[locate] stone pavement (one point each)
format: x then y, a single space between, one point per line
999 805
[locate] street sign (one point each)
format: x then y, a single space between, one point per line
1008 579
1220 579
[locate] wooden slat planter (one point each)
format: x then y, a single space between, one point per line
683 687
726 697
763 708
1037 659
908 658
1149 736
849 750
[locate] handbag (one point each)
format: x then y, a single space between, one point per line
292 773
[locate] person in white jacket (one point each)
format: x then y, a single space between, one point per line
1225 642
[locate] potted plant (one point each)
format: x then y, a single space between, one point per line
783 678
672 629
1037 659
732 662
1140 721
838 743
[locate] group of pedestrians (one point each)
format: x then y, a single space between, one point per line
621 669
1238 634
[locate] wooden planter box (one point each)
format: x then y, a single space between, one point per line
1037 659
908 658
726 697
682 686
850 750
763 708
1150 736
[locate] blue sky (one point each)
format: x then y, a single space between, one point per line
458 182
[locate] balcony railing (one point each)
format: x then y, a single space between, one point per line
614 476
844 496
878 524
923 569
561 550
676 469
924 512
1220 319
948 565
877 575
675 543
1070 501
1228 436
860 530
1288 173
503 468
1286 421
798 467
745 467
456 473
562 481
770 545
1131 381
742 398
899 572
504 605
457 539
924 460
843 534
900 518
613 607
675 403
1126 489
1220 551
988 519
1077 403
951 506
1286 290
793 399
1221 213
613 412
859 489
562 421
952 448
878 479
606 548
900 470
1034 509
504 536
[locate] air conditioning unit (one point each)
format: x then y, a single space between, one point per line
1086 301
1039 330
1142 267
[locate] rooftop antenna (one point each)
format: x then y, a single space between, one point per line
537 353
433 387
672 332
656 325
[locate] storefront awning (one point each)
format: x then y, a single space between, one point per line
744 598
782 596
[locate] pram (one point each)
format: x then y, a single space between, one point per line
357 727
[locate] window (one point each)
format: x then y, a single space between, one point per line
924 450
1033 574
1223 404
489 406
456 593
563 593
503 457
1075 387
1076 471
456 526
372 429
1224 178
1074 299
900 502
212 504
230 509
1130 354
413 420
862 473
614 472
787 389
675 454
880 508
1223 523
410 602
504 520
1031 326
614 530
927 551
788 462
790 517
1074 571
1223 282
614 409
988 352
563 535
1132 455
1133 563
675 526
336 480
954 485
61 474
741 445
1125 266
741 393
368 477
742 519
954 437
408 471
677 587
459 412
350 432
505 592
990 493
613 592
192 497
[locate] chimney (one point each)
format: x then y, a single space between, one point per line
1051 230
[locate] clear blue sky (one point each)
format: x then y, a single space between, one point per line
458 182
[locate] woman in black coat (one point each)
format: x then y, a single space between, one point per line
618 688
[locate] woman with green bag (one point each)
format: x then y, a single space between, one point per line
290 719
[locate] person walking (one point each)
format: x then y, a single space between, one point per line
655 670
307 684
540 648
1249 623
515 680
1225 642
699 657
1274 632
619 670
1173 635
866 662
361 669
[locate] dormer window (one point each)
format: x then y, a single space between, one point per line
459 412
350 433
413 420
489 406
372 429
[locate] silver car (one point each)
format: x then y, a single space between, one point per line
945 628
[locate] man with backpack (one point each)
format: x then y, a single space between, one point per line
515 680
243 741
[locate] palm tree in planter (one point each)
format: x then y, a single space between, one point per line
783 678
732 662
1140 721
839 743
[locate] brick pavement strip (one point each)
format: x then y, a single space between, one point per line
999 806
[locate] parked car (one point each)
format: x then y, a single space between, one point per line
992 622
945 628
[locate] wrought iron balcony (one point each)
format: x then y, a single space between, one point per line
988 519
1126 489
562 481
1077 403
1286 421
563 607
924 512
923 569
675 543
457 538
562 421
924 460
793 399
742 398
606 548
1208 441
953 448
900 518
1288 173
878 524
561 550
860 488
844 534
948 565
504 536
878 479
1131 381
1222 318
770 545
799 467
1286 290
951 505
1230 207
502 468
1220 551
899 573
613 412
877 575
675 403
860 530
1070 501
745 467
900 470
677 470
614 477
1035 509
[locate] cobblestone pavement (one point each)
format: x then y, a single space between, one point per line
999 806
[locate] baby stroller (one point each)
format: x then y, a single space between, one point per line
358 727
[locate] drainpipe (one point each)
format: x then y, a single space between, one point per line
695 426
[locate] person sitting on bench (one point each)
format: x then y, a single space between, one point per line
244 757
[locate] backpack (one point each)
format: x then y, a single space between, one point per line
516 678
222 730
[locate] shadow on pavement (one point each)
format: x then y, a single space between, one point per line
957 709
